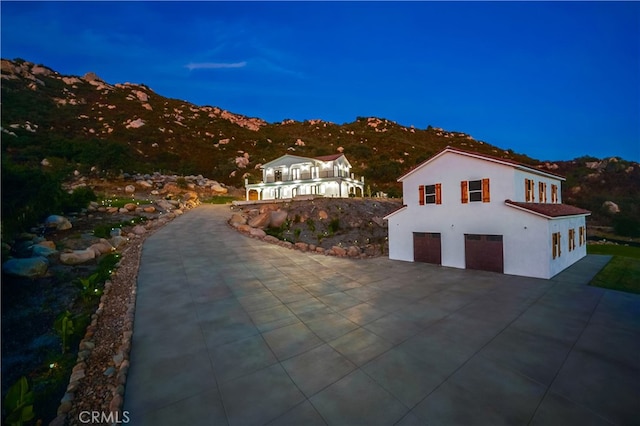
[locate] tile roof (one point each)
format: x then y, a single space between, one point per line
329 157
550 209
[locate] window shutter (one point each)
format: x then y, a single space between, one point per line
559 244
464 191
526 190
486 193
438 193
421 195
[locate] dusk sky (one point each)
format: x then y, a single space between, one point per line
552 80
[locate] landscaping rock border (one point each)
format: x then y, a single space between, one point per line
97 382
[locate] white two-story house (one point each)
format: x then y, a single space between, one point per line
292 175
468 210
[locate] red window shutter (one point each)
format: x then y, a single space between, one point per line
486 193
438 193
421 195
464 192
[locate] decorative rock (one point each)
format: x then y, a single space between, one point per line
256 232
32 267
144 184
164 205
43 251
116 403
278 218
115 232
611 207
261 221
102 247
76 376
302 246
118 358
338 251
353 251
139 230
77 256
178 212
48 244
129 189
109 371
319 250
60 223
271 239
322 214
131 207
245 228
237 219
149 209
118 241
218 189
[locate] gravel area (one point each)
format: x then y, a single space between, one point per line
97 382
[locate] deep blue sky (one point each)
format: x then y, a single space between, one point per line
553 80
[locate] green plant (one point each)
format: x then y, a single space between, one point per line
89 287
334 225
296 233
311 225
19 403
63 326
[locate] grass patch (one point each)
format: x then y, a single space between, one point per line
614 250
622 272
220 199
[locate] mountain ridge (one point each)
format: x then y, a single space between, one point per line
83 122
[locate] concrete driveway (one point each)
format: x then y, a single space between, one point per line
231 330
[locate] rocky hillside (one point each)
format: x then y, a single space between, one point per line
65 123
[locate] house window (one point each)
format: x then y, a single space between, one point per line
295 174
542 192
581 235
555 240
572 239
528 190
430 194
554 193
475 190
315 172
277 175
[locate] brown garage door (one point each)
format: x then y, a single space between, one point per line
484 252
427 248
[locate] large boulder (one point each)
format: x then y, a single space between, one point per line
219 189
611 207
278 218
32 267
43 251
57 222
77 257
261 221
256 232
237 219
101 247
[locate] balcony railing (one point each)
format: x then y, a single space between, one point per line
307 176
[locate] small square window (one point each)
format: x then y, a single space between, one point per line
475 190
430 194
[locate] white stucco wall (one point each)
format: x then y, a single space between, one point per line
518 185
567 258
